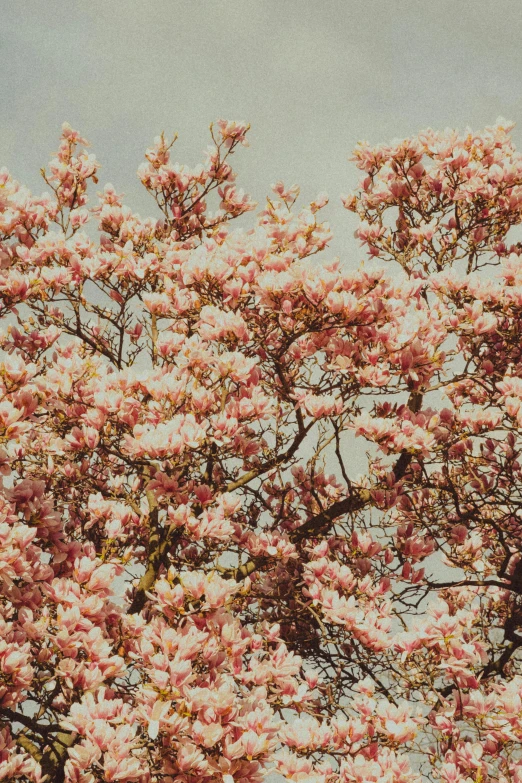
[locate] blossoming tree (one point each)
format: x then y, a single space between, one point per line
194 584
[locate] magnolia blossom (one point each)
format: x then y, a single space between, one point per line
197 583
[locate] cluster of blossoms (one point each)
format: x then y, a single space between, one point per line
193 584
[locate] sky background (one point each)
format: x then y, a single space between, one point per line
311 76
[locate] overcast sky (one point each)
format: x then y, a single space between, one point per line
311 76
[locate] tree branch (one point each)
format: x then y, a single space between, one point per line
30 723
160 540
25 743
320 523
273 463
54 758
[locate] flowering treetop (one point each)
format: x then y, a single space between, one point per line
188 593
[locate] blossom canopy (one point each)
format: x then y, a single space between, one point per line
195 586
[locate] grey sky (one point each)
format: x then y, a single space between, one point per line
311 76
